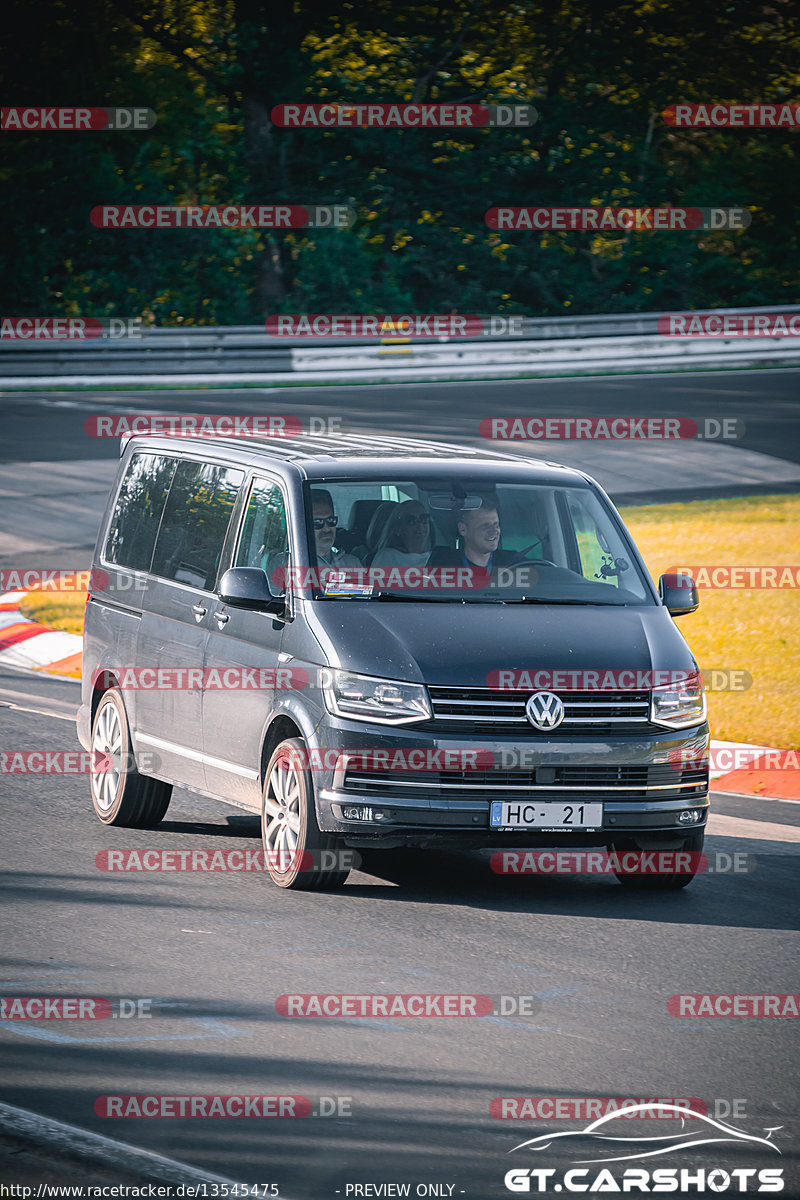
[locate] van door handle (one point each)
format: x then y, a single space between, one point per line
199 612
221 618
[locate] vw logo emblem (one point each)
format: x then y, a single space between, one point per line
545 710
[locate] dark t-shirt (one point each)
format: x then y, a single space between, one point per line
445 556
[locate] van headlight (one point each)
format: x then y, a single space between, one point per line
680 704
382 700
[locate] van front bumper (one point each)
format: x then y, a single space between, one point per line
640 779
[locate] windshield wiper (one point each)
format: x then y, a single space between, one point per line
540 600
403 596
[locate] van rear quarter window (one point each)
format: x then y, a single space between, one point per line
137 513
195 521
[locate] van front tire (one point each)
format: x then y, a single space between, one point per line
297 854
120 795
670 882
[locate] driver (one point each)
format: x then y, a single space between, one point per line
479 541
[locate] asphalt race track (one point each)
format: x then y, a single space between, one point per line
212 952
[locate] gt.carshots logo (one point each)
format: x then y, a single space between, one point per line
729 325
614 429
222 216
616 219
402 115
608 1139
76 118
432 1004
732 116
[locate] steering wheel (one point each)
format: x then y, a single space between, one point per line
522 553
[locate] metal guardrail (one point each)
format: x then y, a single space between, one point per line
550 344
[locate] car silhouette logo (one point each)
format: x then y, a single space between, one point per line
716 1132
545 710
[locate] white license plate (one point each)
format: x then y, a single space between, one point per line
532 814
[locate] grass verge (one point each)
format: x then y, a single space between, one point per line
752 629
57 610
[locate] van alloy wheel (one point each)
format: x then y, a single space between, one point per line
106 744
120 794
282 805
297 854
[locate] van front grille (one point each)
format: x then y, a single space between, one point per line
612 782
484 709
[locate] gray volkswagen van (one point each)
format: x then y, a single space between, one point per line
375 642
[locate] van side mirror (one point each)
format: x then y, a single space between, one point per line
248 587
678 594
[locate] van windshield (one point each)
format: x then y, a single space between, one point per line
450 540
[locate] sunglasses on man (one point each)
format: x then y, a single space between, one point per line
321 522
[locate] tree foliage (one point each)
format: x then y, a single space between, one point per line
599 75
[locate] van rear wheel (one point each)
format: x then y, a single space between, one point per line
668 882
297 854
120 795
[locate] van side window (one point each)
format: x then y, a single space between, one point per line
195 522
140 503
264 540
595 551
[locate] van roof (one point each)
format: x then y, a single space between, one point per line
317 455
